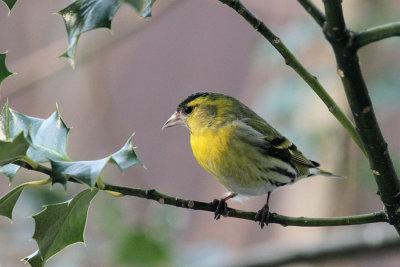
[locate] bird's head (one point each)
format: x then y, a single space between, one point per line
204 111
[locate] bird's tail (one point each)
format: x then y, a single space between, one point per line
318 171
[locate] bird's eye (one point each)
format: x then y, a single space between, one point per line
188 109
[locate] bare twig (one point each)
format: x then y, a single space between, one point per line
293 62
314 11
339 246
162 198
275 218
361 106
362 38
376 34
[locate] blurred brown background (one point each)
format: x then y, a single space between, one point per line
133 79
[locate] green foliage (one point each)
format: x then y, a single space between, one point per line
33 139
143 7
7 203
60 225
85 15
4 72
11 151
9 170
35 260
88 172
49 139
10 3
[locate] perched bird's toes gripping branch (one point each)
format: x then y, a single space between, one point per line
263 216
221 208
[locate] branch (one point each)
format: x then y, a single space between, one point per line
376 34
292 61
314 11
362 38
162 198
275 218
347 247
361 106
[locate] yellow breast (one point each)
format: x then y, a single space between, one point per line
211 148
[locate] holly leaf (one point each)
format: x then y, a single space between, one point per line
7 203
49 139
35 260
11 151
85 15
4 72
60 225
88 172
9 170
143 7
46 138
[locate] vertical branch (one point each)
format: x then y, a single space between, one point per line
295 64
341 40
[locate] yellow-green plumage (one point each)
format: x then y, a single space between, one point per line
244 153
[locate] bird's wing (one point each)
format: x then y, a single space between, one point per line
276 145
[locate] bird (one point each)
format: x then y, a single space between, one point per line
240 149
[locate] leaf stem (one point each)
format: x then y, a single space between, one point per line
376 34
30 161
39 182
293 62
101 186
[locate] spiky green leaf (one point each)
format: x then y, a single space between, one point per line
62 224
49 139
85 15
126 156
9 170
11 151
46 138
7 203
143 7
35 260
89 171
4 72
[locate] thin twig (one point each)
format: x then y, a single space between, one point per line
339 246
293 62
275 218
376 34
363 112
314 11
162 198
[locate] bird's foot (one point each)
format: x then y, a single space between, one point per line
220 208
263 216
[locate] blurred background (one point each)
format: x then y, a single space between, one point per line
133 79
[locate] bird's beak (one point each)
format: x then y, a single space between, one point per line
175 119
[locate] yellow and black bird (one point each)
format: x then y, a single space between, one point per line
244 153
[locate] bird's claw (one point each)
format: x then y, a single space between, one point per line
263 216
220 208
